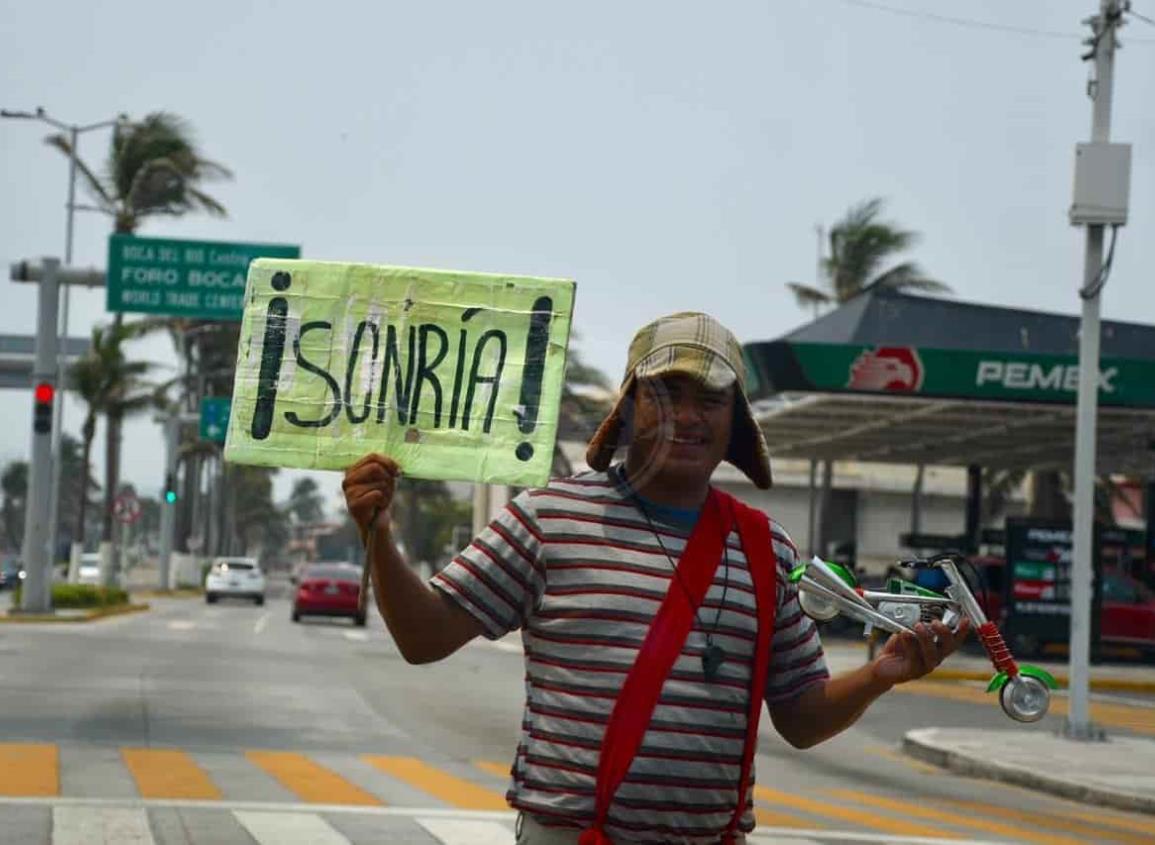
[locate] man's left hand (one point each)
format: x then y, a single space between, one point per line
906 657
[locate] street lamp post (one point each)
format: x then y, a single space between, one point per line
74 132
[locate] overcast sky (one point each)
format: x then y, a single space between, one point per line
666 155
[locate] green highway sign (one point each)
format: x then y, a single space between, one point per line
201 279
215 417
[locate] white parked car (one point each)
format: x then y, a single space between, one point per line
235 577
88 572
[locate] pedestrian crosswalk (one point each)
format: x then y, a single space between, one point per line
92 795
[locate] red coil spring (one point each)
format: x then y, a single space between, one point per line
997 650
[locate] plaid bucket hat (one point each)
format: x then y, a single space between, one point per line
696 345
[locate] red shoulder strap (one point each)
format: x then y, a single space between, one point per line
663 643
758 547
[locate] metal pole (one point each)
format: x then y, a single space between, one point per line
1078 725
974 508
168 509
37 591
813 513
62 354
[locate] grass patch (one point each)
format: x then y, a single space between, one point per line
81 596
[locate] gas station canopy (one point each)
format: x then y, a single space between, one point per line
910 379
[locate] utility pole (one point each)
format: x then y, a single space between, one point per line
1102 173
37 592
38 541
74 132
168 495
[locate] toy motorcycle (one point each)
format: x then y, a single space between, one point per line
827 589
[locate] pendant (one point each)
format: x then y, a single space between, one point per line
712 659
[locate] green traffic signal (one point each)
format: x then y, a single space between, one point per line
170 496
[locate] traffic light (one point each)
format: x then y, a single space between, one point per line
170 489
42 407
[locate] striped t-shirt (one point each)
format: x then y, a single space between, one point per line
578 569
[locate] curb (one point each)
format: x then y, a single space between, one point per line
964 764
1100 684
93 616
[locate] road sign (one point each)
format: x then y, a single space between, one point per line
215 417
126 508
204 279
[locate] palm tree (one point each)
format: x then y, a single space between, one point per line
14 486
586 398
126 393
862 249
154 168
88 378
306 503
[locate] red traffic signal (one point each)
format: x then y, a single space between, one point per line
42 409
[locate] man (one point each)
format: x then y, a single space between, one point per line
599 568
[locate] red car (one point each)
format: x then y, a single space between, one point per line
329 589
1128 610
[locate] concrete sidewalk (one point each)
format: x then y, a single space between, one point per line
1118 772
972 665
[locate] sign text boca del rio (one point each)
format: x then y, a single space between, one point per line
203 279
455 375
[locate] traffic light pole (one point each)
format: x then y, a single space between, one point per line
37 590
168 509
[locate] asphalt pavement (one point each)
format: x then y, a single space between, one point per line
228 723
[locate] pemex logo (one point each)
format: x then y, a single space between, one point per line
891 368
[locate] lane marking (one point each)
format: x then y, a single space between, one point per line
357 636
1138 824
455 832
258 806
763 836
29 769
500 770
776 836
1093 832
440 784
261 623
919 811
904 759
289 828
1136 719
847 814
310 781
775 818
181 625
168 773
100 826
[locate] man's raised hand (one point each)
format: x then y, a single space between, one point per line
369 486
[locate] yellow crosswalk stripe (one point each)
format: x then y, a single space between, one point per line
500 770
973 821
1138 719
440 784
903 759
309 781
848 814
29 769
774 818
168 773
1093 832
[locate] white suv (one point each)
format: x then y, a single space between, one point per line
235 577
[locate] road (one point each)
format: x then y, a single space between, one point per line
230 724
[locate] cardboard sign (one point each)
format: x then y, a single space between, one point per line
456 376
